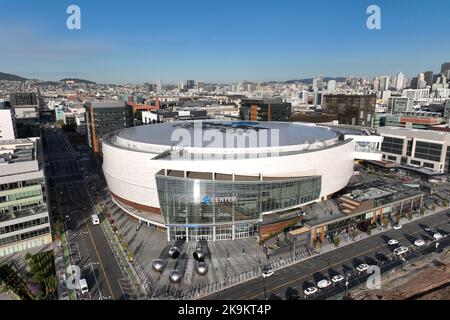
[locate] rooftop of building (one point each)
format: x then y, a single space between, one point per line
107 104
185 134
14 151
414 133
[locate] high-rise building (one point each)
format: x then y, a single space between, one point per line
181 86
351 109
24 217
104 117
159 86
265 110
376 84
429 78
190 84
445 69
384 83
331 85
399 81
200 85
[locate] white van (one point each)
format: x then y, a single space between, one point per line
83 286
95 219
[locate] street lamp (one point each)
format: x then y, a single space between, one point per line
264 280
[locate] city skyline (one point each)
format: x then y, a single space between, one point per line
144 42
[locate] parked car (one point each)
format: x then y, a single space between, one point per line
309 291
392 242
437 236
337 278
419 243
362 267
401 250
322 284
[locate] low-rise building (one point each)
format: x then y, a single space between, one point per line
423 148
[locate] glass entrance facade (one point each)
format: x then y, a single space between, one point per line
232 207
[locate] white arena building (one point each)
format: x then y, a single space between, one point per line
216 180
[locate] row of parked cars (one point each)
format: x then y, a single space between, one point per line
363 267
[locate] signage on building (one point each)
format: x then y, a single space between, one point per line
209 200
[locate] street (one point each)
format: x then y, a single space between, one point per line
298 277
88 246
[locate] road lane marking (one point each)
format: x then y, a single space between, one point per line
99 259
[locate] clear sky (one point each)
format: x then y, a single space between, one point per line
221 41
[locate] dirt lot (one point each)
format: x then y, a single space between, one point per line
428 279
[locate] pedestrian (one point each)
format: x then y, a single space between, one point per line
243 252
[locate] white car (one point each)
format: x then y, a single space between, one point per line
322 284
337 278
362 267
392 242
401 250
309 291
267 273
397 226
419 243
437 236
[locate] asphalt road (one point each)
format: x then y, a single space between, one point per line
303 274
88 245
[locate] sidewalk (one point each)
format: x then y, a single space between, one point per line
346 240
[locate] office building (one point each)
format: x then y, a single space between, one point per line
445 69
420 148
429 78
265 110
351 109
104 117
399 104
26 110
24 217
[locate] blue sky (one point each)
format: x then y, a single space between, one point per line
221 41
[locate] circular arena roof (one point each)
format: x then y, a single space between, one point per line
224 134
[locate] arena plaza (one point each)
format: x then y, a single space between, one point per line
221 180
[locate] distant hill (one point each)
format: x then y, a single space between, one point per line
11 77
78 80
310 80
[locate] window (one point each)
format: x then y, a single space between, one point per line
392 158
415 163
428 165
428 151
392 145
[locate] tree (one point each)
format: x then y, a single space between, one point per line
337 241
422 211
353 233
397 217
409 215
317 245
385 222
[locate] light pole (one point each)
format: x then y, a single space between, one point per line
264 280
346 286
